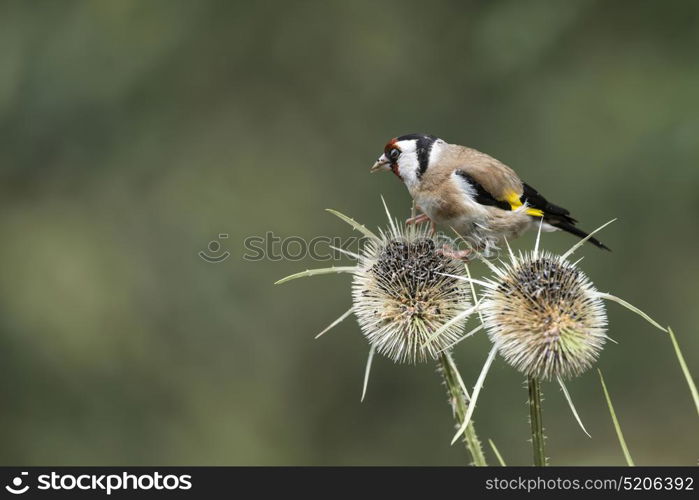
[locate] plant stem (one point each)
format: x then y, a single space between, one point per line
459 403
536 422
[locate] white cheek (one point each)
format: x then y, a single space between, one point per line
408 166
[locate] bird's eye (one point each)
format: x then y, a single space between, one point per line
393 154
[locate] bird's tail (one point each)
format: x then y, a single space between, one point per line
569 227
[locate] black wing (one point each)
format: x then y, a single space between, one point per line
482 195
533 198
553 214
556 216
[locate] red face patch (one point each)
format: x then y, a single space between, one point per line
387 149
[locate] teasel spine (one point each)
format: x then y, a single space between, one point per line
458 399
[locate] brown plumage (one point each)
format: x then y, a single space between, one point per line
480 197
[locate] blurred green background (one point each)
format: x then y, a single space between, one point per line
134 132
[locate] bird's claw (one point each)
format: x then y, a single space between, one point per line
421 219
464 255
418 219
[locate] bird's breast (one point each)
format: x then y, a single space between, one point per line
444 208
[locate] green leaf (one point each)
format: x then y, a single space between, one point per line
617 427
336 322
685 369
572 406
474 397
497 453
631 308
356 225
315 272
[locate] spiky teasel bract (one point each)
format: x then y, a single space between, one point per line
545 316
410 299
403 292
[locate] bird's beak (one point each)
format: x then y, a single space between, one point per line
381 164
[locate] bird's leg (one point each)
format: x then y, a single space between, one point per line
418 219
450 252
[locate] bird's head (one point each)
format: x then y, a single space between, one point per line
407 156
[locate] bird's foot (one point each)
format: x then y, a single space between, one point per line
421 219
418 219
464 255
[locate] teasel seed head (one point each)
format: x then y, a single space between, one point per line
544 316
401 294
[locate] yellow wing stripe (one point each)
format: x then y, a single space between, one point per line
513 199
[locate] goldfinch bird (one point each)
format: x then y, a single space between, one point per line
480 197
